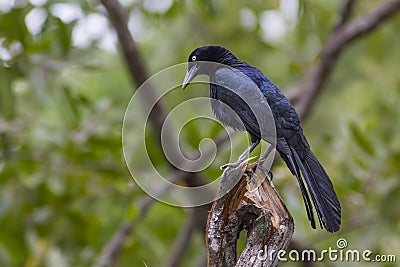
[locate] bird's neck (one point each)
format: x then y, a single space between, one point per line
230 61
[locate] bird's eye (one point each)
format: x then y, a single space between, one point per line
193 58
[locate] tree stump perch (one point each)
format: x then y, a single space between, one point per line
259 210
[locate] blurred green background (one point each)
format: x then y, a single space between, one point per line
64 88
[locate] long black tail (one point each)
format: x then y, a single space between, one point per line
320 188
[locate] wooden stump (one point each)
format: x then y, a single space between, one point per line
259 210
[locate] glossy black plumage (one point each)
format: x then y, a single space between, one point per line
291 143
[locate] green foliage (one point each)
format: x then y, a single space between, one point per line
65 188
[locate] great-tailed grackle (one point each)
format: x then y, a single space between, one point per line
291 143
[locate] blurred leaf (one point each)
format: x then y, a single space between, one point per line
64 35
361 139
13 26
7 99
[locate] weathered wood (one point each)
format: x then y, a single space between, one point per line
259 210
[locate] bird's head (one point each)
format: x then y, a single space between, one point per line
200 58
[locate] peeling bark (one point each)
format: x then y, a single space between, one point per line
257 209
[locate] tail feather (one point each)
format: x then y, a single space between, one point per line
321 190
307 202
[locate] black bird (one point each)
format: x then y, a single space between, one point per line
291 143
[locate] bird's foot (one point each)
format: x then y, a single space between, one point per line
235 164
250 174
265 170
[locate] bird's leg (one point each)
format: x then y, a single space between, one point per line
261 161
243 157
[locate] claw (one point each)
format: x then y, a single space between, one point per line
235 164
270 175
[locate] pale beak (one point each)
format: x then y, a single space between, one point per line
190 74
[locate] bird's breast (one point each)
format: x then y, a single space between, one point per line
226 115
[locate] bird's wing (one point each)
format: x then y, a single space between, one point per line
246 99
227 115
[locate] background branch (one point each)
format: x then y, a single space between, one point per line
196 222
339 39
344 13
111 249
134 60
